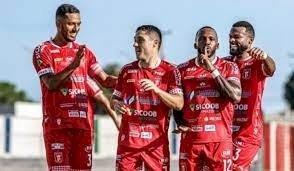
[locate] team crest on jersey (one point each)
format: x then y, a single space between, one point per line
192 107
129 100
246 74
64 91
58 157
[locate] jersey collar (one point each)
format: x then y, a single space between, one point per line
55 45
155 66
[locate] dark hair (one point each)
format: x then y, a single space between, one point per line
151 29
66 8
202 28
247 25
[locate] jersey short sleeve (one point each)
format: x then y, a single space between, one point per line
94 66
174 86
233 72
42 60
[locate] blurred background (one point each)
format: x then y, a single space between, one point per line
108 28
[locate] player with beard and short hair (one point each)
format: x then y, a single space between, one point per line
210 85
63 66
146 91
255 66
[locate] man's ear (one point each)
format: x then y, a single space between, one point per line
250 41
195 46
156 43
217 46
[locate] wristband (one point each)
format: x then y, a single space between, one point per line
215 73
264 56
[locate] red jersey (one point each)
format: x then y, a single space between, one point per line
248 122
205 111
149 119
67 105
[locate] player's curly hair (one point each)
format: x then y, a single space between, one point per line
66 8
151 29
247 25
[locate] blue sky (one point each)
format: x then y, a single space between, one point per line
108 28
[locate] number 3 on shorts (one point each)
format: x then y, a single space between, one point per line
236 154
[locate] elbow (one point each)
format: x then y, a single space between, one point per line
236 98
179 106
51 87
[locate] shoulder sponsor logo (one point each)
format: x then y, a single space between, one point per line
209 128
64 91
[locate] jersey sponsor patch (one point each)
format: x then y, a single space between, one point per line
146 135
209 128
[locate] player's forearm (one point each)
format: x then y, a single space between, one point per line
178 117
228 89
269 66
109 82
172 101
53 81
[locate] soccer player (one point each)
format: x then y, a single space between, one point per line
63 66
255 66
210 85
146 91
98 96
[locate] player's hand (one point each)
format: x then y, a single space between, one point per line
79 55
257 53
181 129
121 108
204 60
148 85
